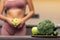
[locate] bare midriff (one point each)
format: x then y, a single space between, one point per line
15 8
15 13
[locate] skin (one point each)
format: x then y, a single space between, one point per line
16 13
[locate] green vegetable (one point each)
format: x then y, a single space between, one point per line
46 27
55 33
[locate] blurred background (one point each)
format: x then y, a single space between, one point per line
46 9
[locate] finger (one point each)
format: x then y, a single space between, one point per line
20 26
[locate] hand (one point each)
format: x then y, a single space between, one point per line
9 21
21 22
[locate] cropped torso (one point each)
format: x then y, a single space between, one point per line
15 8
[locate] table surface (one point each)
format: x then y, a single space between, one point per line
26 38
31 36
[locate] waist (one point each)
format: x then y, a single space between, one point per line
15 13
21 16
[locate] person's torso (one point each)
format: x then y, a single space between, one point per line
20 4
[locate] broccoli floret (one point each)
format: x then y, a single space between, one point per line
46 27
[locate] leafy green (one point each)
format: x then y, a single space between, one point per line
46 27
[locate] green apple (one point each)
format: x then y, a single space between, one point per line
15 21
34 30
